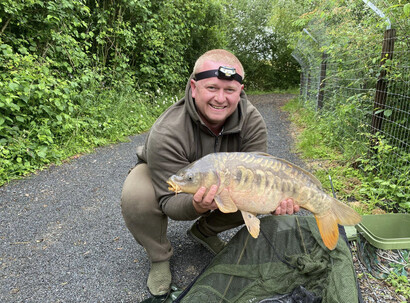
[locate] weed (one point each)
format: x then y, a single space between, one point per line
364 171
400 283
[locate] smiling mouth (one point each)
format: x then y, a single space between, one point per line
218 107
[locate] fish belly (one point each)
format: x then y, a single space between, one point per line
259 190
254 204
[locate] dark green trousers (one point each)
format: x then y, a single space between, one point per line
148 224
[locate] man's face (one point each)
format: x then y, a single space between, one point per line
215 99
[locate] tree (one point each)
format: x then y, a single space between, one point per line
261 45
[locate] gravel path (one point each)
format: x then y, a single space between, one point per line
63 238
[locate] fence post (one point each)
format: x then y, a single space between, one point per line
309 79
381 85
322 80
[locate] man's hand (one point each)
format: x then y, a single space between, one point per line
286 207
204 203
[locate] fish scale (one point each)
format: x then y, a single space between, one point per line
261 178
255 183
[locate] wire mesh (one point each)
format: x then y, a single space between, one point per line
355 72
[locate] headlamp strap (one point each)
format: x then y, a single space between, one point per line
224 73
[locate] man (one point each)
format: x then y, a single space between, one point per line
214 116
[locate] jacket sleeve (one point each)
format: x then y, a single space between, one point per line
254 132
165 155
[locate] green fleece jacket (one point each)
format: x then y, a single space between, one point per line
179 137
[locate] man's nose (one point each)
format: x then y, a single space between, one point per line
220 95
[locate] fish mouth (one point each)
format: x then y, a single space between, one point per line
174 187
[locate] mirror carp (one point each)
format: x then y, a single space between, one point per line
255 183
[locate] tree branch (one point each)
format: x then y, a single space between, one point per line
5 26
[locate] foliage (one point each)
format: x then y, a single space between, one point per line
372 154
290 17
210 30
370 178
386 183
78 74
261 47
400 283
45 118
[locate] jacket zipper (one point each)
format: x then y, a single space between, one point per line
217 141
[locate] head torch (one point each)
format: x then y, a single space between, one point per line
223 72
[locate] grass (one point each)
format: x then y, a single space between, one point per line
368 192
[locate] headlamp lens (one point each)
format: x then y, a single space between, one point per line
226 72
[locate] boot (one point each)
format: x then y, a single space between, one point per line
159 278
212 243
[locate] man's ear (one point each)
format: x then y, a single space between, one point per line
193 88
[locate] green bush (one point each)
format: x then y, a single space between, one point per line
45 118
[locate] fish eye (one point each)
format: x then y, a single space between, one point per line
190 177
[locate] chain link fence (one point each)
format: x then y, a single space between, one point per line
355 72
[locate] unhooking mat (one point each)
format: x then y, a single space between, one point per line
287 257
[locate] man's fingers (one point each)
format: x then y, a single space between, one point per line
199 194
212 191
289 206
296 208
206 200
209 198
281 209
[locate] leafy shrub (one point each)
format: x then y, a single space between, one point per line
45 118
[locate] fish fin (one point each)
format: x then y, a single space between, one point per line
303 171
344 213
328 229
225 202
262 154
339 213
252 223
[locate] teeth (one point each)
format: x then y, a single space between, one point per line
218 107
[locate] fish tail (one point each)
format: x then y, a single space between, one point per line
339 213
